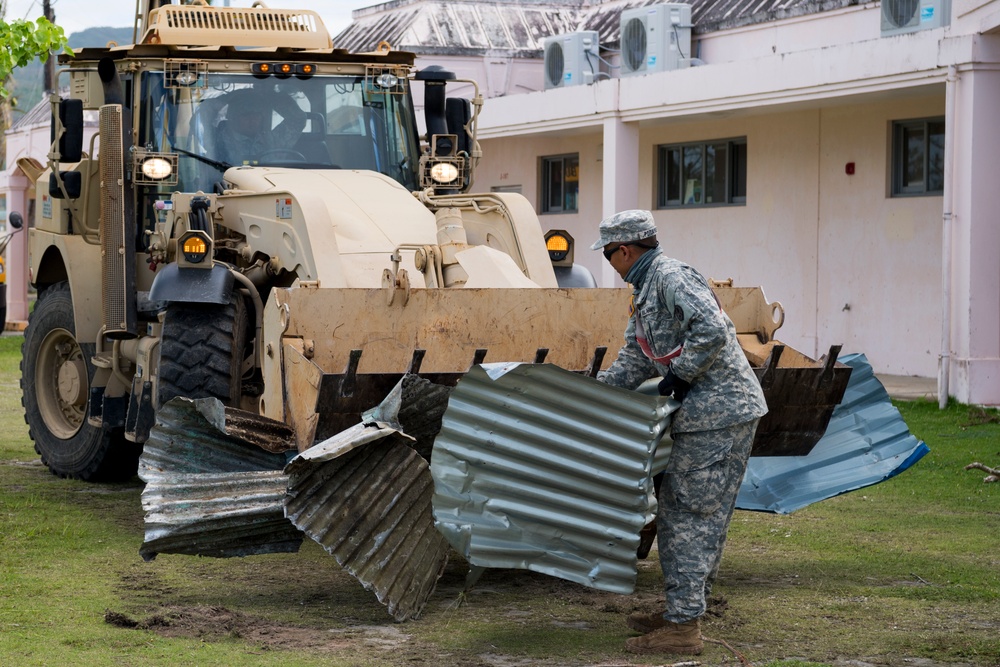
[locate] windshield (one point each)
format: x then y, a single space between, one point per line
323 122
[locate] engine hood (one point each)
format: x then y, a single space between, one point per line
338 226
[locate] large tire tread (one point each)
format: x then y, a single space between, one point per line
93 454
201 351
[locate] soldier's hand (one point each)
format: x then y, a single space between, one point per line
673 385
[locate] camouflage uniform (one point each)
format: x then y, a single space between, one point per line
675 316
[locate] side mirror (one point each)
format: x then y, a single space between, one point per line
458 112
15 220
71 139
435 79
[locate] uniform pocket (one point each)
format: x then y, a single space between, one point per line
699 491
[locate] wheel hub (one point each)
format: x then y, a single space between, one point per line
62 384
71 382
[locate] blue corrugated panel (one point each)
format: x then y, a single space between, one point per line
866 442
547 470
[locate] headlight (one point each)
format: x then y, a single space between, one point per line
444 172
386 80
186 78
156 168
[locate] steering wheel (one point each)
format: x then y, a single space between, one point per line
288 152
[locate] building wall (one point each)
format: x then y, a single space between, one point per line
880 258
849 265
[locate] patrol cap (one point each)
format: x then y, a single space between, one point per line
625 226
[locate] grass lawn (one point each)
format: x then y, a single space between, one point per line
904 573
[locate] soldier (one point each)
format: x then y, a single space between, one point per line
677 330
247 133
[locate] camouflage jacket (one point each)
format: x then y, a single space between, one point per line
679 314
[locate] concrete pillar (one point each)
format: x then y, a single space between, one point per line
975 239
621 179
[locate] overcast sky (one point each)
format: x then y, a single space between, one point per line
75 15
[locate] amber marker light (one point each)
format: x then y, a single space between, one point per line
194 247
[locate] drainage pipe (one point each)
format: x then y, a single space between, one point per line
951 128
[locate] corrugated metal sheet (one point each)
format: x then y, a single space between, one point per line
220 515
209 492
365 495
516 26
547 470
193 436
415 406
866 442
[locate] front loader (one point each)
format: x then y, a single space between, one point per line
298 282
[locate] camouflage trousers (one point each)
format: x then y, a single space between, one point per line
695 507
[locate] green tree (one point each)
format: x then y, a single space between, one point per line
21 41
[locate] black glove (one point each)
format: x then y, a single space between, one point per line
671 384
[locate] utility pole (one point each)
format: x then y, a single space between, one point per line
49 83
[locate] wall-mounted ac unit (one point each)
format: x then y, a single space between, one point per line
655 38
571 59
902 16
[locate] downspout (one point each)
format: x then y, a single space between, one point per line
944 360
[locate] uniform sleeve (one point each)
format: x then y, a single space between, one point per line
705 331
631 368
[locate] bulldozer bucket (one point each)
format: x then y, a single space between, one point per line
342 350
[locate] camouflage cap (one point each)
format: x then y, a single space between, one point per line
625 226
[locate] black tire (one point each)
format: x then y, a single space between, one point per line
202 348
56 372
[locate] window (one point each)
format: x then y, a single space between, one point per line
918 157
560 183
702 174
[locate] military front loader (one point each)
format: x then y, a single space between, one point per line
299 271
297 274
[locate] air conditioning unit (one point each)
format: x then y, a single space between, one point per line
571 59
656 38
903 16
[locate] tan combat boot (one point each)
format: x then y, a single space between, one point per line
645 622
674 638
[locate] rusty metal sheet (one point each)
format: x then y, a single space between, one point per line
217 514
195 436
547 470
866 442
365 496
210 491
801 395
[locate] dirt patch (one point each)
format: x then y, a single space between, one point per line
219 623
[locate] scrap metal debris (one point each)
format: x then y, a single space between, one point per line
211 492
543 469
365 495
867 442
